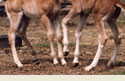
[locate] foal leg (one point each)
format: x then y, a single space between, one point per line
82 20
102 38
15 20
117 41
50 34
71 14
22 33
59 36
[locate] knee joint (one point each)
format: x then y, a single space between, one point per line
50 36
11 37
59 38
53 55
64 22
103 40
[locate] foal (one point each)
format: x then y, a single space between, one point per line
102 11
19 13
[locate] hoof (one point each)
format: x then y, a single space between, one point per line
63 62
35 59
110 64
37 63
87 69
66 53
56 63
65 65
20 65
75 64
7 51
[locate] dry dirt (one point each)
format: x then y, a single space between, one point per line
43 66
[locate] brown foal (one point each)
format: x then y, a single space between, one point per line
102 11
19 13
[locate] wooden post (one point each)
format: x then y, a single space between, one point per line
4 42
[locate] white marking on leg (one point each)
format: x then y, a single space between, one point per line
76 53
59 40
53 54
100 46
60 52
96 58
65 38
63 61
55 61
14 26
14 53
82 20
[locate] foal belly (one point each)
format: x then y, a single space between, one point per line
30 10
30 13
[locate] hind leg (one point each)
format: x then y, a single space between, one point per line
50 34
117 38
117 41
15 20
102 39
22 33
71 14
82 20
59 36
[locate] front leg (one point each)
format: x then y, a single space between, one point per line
15 20
82 20
50 34
117 40
102 38
71 14
58 30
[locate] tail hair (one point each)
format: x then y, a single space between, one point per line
121 5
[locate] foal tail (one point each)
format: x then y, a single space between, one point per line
121 5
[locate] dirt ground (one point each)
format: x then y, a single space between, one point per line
44 66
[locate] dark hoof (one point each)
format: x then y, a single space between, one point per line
66 53
37 63
15 66
7 51
75 64
35 59
111 65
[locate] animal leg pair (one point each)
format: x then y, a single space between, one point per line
54 28
82 19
